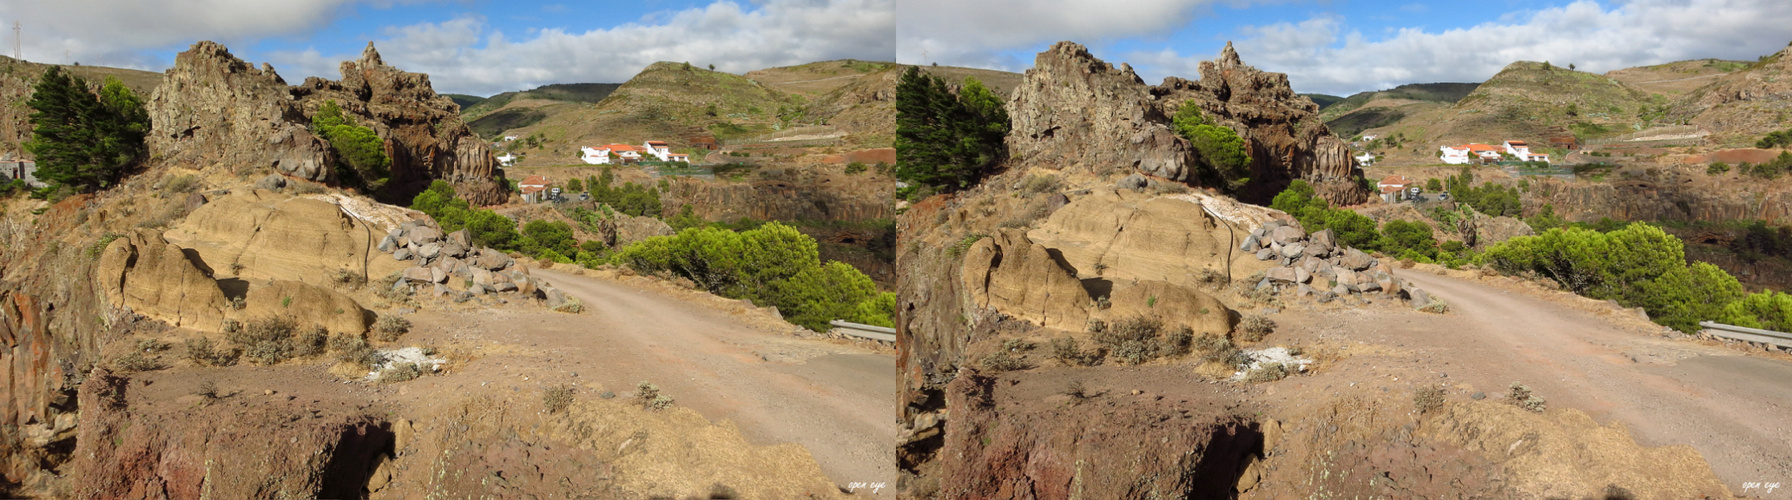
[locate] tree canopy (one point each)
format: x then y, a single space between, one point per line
360 153
946 141
82 139
1224 163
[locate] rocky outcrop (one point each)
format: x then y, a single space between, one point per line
152 277
213 109
423 132
308 304
1153 449
128 449
1076 112
1281 129
262 235
1318 267
1122 236
1008 272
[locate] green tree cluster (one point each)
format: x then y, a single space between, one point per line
773 264
1224 163
360 153
1411 240
1771 169
1717 168
1767 310
946 141
484 227
1637 266
1491 199
630 198
82 139
1775 139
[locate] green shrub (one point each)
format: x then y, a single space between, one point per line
1254 327
360 153
353 349
266 341
1267 372
649 397
1717 168
1068 351
1224 163
401 372
1637 266
1767 310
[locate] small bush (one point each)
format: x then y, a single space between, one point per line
1520 395
648 395
203 352
1212 279
1076 391
1069 352
389 328
348 279
1001 361
266 341
1267 372
1217 349
93 252
388 288
207 390
1134 340
311 343
1039 184
1428 399
402 372
1435 307
135 361
556 398
152 345
1017 345
1177 343
1254 327
182 184
354 350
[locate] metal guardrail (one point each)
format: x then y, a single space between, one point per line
1734 332
864 331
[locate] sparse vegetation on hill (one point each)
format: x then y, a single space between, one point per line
771 265
82 139
946 141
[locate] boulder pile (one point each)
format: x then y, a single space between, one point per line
1315 265
450 265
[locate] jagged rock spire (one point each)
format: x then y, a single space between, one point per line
371 57
1230 57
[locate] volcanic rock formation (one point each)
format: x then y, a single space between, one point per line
423 132
216 110
1077 112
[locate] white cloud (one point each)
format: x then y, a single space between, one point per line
116 33
733 37
972 33
1321 55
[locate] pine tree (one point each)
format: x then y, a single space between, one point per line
947 141
82 139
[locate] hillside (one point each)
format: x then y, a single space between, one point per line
1742 105
1676 78
1366 110
17 77
1002 82
1323 100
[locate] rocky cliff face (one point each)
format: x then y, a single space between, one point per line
423 132
1282 130
1657 195
1076 112
216 110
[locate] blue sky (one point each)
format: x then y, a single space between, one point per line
467 46
1344 46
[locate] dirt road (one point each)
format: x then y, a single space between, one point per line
836 400
1729 406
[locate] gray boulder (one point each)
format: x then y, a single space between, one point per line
430 251
1419 298
425 234
504 287
402 254
1287 234
1312 249
1346 277
481 276
1134 182
1301 275
1356 260
1251 244
476 290
1324 239
453 249
1281 274
1292 251
273 182
1264 254
418 274
461 238
388 244
492 260
1341 289
438 275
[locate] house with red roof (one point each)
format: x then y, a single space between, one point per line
1394 188
534 188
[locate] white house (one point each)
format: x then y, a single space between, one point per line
507 159
658 149
509 138
678 157
1461 155
594 156
1394 188
1370 137
1366 158
1454 156
1522 151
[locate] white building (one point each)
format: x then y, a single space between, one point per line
678 157
1454 156
658 149
1522 151
594 156
507 159
1365 159
509 138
